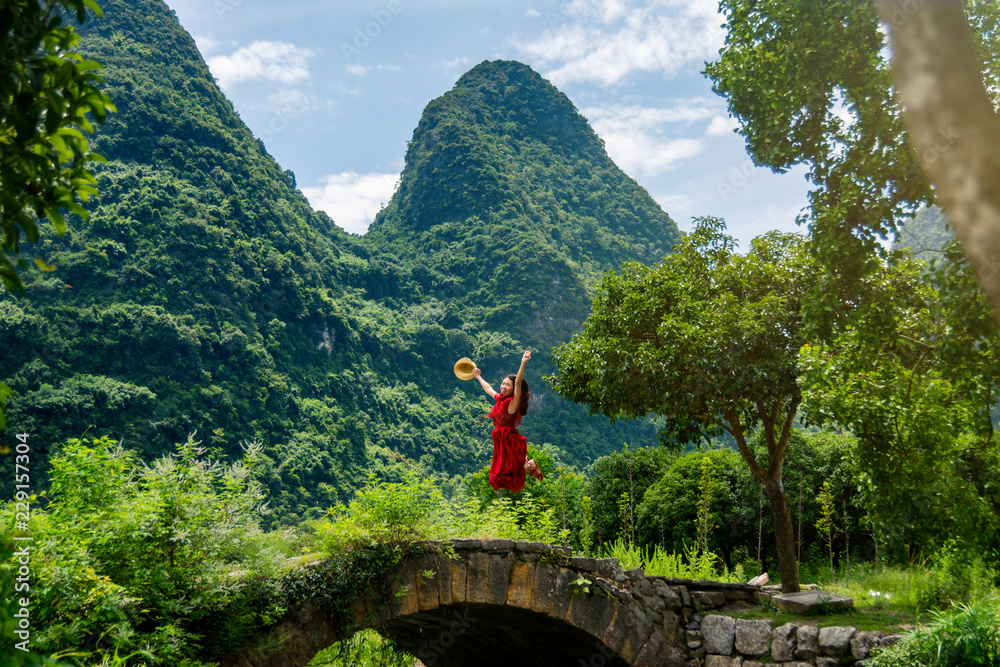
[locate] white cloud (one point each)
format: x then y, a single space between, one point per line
272 61
605 41
356 70
638 138
352 199
721 126
533 13
290 103
452 64
206 44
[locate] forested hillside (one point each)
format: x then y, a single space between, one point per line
204 295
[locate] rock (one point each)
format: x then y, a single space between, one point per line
824 661
718 634
722 661
783 645
752 637
673 659
805 602
835 640
863 642
807 642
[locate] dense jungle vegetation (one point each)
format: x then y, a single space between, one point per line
204 295
218 383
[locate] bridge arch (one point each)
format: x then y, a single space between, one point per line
500 602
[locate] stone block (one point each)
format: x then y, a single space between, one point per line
672 658
522 577
863 642
805 602
709 599
467 544
478 581
835 640
685 595
459 572
635 638
653 603
544 587
609 568
718 634
498 546
649 651
721 661
598 614
783 643
672 628
564 592
807 642
671 599
406 580
752 637
826 661
428 582
617 630
500 567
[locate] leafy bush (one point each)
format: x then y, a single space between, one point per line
955 576
416 509
967 635
133 558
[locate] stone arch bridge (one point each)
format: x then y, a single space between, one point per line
501 602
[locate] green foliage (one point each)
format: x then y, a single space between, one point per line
390 513
364 649
955 576
705 520
381 512
968 635
673 508
629 471
48 95
914 377
135 557
827 523
690 563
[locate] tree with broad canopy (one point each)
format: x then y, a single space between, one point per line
709 340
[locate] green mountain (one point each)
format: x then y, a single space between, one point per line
926 231
509 198
204 295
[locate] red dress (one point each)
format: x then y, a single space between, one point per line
510 448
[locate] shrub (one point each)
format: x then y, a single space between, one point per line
967 635
955 576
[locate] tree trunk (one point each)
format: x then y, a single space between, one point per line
781 511
784 535
951 123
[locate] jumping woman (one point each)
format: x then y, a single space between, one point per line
510 449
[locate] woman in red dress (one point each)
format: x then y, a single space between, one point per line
510 449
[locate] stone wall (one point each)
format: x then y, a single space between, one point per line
722 641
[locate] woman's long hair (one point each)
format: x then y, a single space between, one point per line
525 393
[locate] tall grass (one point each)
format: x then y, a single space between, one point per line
658 562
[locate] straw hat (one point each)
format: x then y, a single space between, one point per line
464 368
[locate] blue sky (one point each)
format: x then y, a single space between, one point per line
335 89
